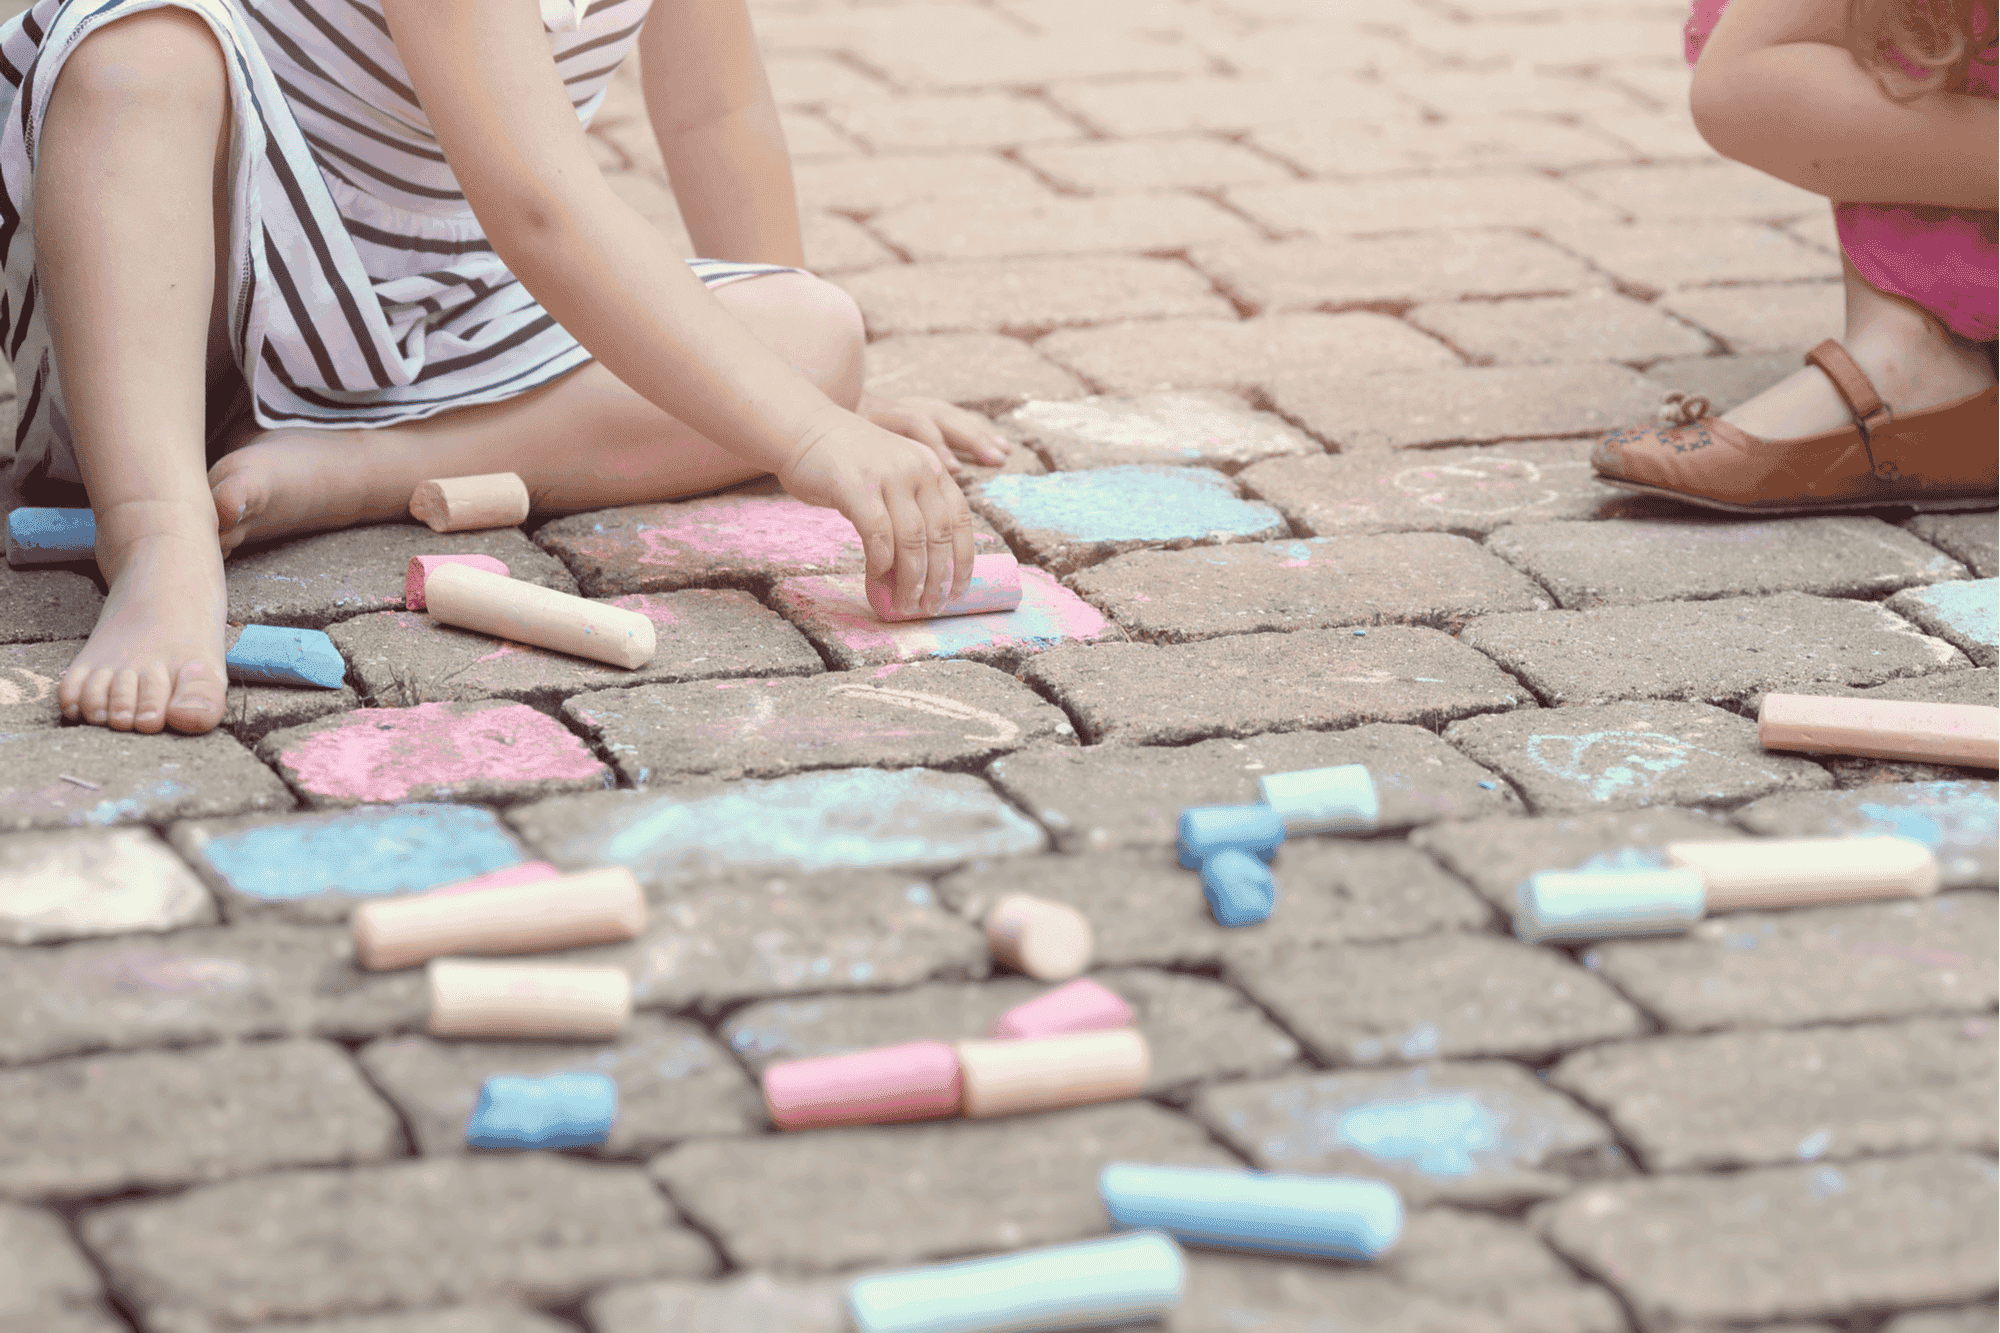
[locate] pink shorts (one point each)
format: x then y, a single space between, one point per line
1941 258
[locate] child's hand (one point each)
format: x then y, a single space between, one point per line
952 432
914 525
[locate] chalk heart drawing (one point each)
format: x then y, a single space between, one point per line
1004 731
27 687
1498 485
1611 761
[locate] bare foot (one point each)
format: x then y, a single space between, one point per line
155 658
286 483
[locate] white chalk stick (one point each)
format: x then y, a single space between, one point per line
528 613
1578 905
592 907
1048 941
479 999
1744 874
1340 799
1967 734
1007 1077
459 504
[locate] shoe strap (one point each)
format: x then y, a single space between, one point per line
1870 412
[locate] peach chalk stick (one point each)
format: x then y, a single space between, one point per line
995 587
528 613
1045 1073
421 566
1967 734
528 872
1048 941
915 1081
478 999
1081 1006
1744 874
592 907
460 504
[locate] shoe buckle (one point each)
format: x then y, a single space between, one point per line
1683 409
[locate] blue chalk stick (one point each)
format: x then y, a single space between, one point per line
272 655
1340 799
1126 1278
51 536
1239 888
1340 1217
1208 829
1600 904
557 1111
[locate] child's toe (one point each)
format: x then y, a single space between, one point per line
155 689
196 705
121 699
95 694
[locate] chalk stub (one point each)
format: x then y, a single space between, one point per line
1334 1217
1080 1006
532 1000
477 599
995 587
279 655
419 573
50 536
1133 1278
1966 734
1049 941
1239 888
555 1111
1744 874
1340 799
461 504
915 1081
1208 829
1577 905
1009 1077
601 906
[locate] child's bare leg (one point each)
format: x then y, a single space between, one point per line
133 144
583 442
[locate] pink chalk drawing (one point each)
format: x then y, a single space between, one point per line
1048 614
385 754
774 528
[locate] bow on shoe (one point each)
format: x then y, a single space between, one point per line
1683 409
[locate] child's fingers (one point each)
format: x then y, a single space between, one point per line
972 435
870 517
941 528
961 544
910 525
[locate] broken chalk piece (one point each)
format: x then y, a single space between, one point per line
1340 799
591 907
1048 941
276 655
555 1111
1044 1073
915 1081
1239 888
1131 1279
1208 829
50 536
1559 905
995 587
528 613
1081 1006
1743 874
1334 1217
1967 734
528 872
476 999
420 572
460 504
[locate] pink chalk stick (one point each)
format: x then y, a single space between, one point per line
422 565
1080 1006
995 586
528 872
917 1081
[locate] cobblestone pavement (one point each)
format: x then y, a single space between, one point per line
1307 312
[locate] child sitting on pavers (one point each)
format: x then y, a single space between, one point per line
1886 107
339 247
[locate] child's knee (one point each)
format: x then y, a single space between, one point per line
159 63
829 331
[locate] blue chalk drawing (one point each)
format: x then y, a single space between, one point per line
1970 610
373 850
1814 1145
1958 821
1825 1183
1146 504
1648 756
555 1111
51 536
1437 1135
276 655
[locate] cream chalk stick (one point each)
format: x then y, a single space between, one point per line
1048 941
459 504
1006 1077
1967 734
593 907
1746 874
478 999
528 613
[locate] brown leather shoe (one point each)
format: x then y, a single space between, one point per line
1945 458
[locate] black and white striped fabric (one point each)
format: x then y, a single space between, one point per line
362 291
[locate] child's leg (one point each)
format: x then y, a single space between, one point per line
132 148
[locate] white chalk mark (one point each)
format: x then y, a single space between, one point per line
78 781
1004 730
35 691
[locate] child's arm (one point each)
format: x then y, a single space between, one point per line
1776 89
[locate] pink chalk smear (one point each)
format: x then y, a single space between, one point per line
1048 614
384 754
768 527
528 872
422 565
1080 1006
917 1081
995 587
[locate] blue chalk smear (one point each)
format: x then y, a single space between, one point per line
555 1111
1130 504
51 536
1970 609
1208 829
1336 1217
1126 1279
1239 888
274 655
372 850
1436 1135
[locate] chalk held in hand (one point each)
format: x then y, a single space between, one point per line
1125 1279
1967 734
528 613
1239 888
471 999
421 566
1046 1073
915 1081
1340 799
1081 1006
995 587
1208 829
460 504
50 536
592 907
275 655
1048 941
1333 1217
556 1111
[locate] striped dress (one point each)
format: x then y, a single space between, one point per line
362 291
